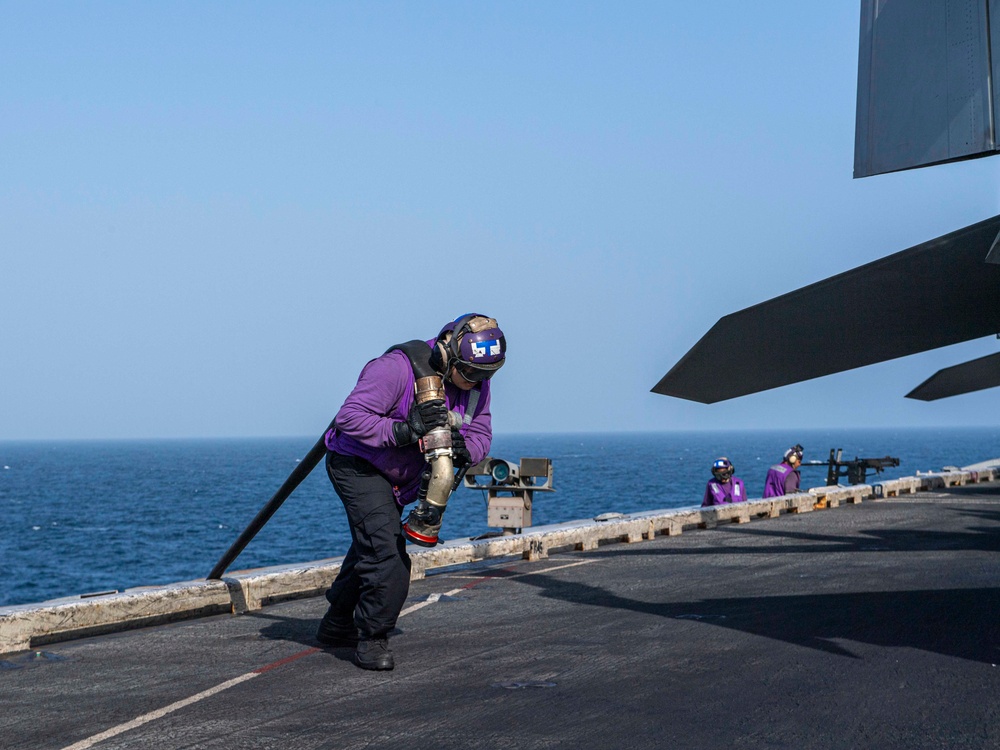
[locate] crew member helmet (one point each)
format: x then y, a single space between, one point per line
722 469
473 344
796 452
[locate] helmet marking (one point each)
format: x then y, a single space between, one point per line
489 348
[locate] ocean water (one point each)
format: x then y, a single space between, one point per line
90 516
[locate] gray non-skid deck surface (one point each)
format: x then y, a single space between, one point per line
866 626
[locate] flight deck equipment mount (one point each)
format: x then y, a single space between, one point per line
510 489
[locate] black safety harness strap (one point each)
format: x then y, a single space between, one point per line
419 355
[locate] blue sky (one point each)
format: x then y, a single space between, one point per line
212 214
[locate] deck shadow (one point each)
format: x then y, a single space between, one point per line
972 539
960 623
298 630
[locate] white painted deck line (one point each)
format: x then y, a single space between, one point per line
159 713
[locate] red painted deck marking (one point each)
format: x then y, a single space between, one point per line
286 660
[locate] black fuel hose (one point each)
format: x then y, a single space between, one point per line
300 472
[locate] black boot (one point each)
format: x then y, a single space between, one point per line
374 653
337 629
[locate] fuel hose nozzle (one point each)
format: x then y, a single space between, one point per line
424 522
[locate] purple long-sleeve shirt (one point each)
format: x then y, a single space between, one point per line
383 395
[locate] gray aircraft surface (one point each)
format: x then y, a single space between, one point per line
928 94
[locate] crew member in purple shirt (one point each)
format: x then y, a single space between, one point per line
375 464
785 478
723 488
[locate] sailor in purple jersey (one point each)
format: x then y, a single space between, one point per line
383 397
723 487
785 478
375 464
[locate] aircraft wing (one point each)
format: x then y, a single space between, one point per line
935 294
928 84
967 377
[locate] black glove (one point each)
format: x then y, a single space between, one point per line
459 450
421 419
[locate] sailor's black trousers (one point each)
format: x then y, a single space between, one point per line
375 577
